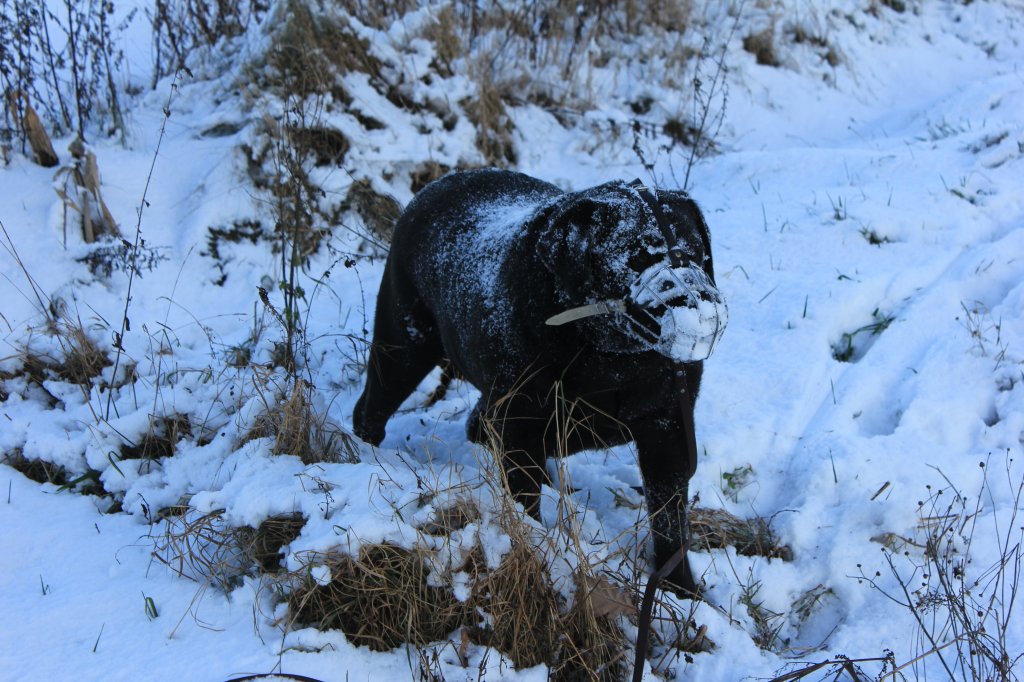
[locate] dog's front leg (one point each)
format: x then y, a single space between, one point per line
666 474
406 347
512 428
524 473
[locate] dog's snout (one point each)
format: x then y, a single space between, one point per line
682 308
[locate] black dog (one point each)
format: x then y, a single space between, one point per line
582 318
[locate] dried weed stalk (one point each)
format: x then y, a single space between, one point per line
963 608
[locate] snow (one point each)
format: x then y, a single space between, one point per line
914 140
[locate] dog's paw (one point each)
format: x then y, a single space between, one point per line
366 429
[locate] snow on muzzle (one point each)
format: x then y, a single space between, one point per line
677 312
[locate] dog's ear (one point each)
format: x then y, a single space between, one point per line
566 232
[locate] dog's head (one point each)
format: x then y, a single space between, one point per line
633 265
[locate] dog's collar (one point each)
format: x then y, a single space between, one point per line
590 310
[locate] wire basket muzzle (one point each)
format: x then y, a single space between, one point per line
677 312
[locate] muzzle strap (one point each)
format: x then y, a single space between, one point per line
675 254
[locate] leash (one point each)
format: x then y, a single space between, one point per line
690 442
644 626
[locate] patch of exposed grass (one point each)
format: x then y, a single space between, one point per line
849 348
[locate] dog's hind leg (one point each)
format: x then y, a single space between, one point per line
406 346
512 429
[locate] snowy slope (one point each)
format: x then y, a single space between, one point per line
913 141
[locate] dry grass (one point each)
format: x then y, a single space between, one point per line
382 599
522 607
452 517
310 52
325 146
80 359
386 597
540 53
265 542
202 547
717 529
446 35
379 14
379 212
494 127
205 548
83 358
37 470
161 439
762 46
298 430
426 173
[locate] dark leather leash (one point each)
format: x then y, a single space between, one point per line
675 256
644 626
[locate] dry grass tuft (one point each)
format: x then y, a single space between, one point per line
446 35
530 621
299 61
522 608
326 146
83 359
387 597
426 173
382 599
298 430
161 440
379 14
205 548
455 516
264 543
762 46
379 212
202 547
79 362
313 49
37 470
494 126
717 528
593 645
35 370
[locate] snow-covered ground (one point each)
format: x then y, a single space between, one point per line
871 210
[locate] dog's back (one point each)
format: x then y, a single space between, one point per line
450 246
